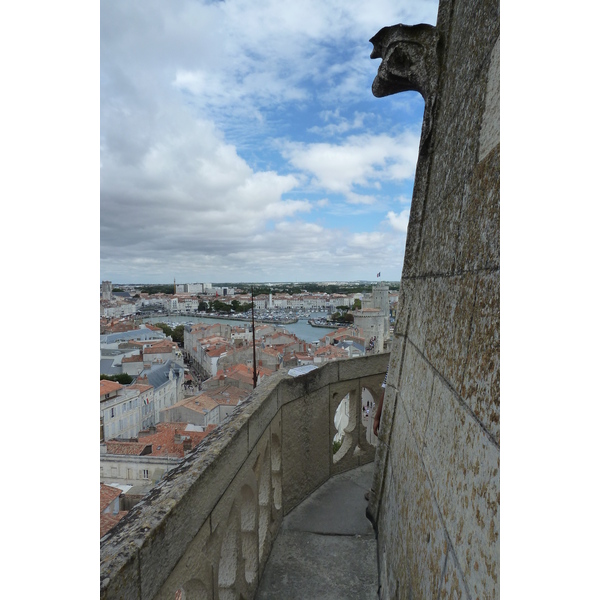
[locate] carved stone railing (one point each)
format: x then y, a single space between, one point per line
206 530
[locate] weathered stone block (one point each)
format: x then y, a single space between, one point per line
418 319
263 410
463 465
174 522
363 366
475 29
447 313
453 586
479 244
480 388
306 447
489 136
410 267
415 391
422 531
121 580
290 388
404 302
456 147
391 544
193 570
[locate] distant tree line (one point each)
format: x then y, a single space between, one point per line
283 288
327 288
218 306
157 289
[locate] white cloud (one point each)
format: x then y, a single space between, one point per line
399 222
342 125
359 161
188 92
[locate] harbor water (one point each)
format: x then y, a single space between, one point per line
301 328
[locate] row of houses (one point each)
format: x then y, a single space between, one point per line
147 427
127 409
123 304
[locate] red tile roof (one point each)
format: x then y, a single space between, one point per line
132 359
163 441
162 346
229 395
107 386
107 494
130 448
108 521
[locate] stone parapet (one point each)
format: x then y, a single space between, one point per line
207 529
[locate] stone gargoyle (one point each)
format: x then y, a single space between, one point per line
409 63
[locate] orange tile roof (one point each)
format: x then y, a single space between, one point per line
200 403
161 347
107 494
107 386
229 395
108 521
132 359
130 448
217 350
163 441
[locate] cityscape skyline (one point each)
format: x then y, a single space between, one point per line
243 143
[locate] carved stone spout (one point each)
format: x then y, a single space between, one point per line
409 60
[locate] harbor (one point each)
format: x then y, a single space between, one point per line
299 326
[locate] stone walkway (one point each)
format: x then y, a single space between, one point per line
326 548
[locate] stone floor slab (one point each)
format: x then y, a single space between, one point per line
326 547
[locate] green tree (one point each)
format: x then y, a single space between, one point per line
221 306
342 317
166 329
177 335
122 378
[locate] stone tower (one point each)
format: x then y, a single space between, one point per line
106 290
436 498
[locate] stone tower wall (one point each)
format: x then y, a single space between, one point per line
436 500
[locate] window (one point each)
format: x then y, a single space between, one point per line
145 473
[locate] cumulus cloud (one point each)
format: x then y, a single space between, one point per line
206 164
399 222
361 160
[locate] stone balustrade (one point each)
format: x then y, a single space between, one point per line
206 530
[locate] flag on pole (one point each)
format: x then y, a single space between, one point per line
378 274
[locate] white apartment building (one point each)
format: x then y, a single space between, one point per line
112 309
193 288
135 470
167 381
187 304
120 415
146 403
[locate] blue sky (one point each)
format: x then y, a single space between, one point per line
240 141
